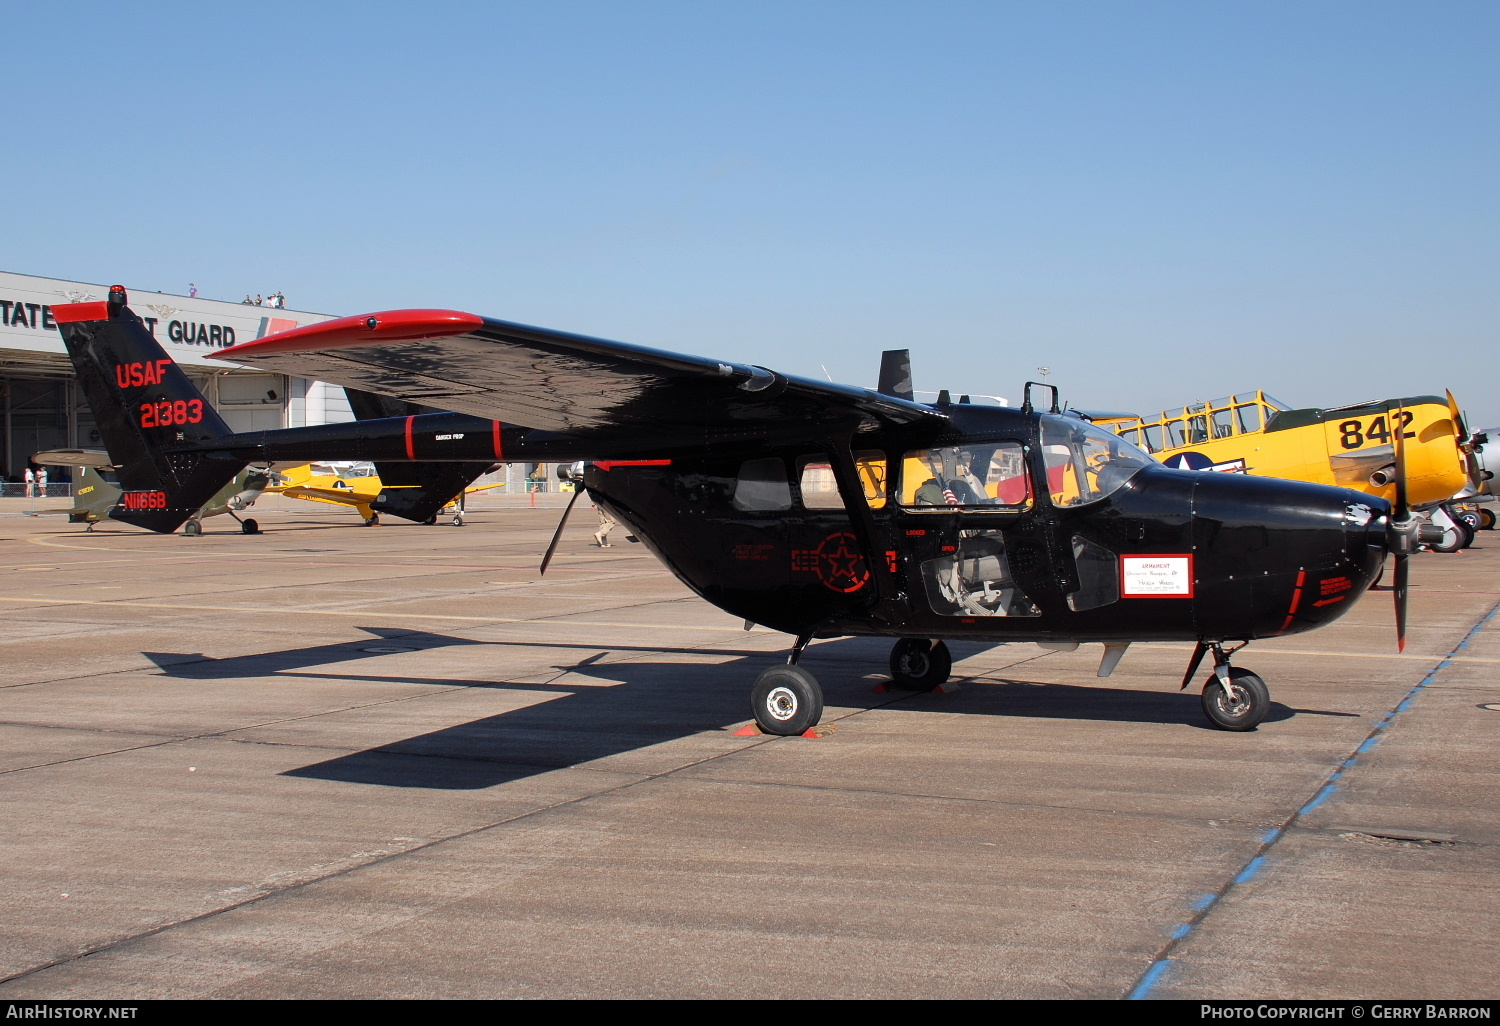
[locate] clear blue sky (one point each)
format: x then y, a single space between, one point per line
1160 201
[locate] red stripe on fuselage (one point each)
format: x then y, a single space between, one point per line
499 444
1296 599
411 449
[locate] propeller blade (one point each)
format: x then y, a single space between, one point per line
1402 531
1458 418
1401 511
557 535
1400 589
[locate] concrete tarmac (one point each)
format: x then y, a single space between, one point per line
337 761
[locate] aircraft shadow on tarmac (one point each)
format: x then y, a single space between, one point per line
632 705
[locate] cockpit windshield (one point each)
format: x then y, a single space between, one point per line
1085 463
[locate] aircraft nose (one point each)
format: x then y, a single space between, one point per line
1297 554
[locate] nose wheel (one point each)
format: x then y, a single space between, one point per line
1240 704
1233 699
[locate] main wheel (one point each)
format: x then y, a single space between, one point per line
249 526
430 520
192 528
787 700
372 520
1243 710
920 665
1486 519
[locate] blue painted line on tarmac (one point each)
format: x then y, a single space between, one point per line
1322 797
1205 904
1255 866
1149 980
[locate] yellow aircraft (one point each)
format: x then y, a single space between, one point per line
354 484
1351 446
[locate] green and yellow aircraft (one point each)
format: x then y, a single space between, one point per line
96 494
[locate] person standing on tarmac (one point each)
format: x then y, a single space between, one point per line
606 525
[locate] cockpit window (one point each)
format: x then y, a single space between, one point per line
987 475
1084 462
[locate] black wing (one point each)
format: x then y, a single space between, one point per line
558 381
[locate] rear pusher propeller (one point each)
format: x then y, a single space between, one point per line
557 535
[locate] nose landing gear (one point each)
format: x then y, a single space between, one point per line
1233 699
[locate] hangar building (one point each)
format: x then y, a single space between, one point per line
43 408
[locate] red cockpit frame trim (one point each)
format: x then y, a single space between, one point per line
389 326
77 313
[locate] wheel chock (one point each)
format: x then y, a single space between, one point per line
752 729
948 688
880 689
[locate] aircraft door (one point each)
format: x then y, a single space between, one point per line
965 520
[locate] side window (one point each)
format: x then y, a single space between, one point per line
1197 429
1223 424
989 475
1062 474
871 467
819 489
762 485
1249 418
1151 437
1098 576
1175 436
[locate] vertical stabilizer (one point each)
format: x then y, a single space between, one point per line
145 406
895 374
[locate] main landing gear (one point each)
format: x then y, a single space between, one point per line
1233 699
787 699
920 665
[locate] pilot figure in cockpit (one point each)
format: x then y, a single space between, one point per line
963 488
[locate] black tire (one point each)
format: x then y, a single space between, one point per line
430 521
372 520
249 526
1248 712
192 528
787 701
920 665
1486 519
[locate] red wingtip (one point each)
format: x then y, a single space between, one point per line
364 329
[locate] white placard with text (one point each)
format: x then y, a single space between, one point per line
1156 576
